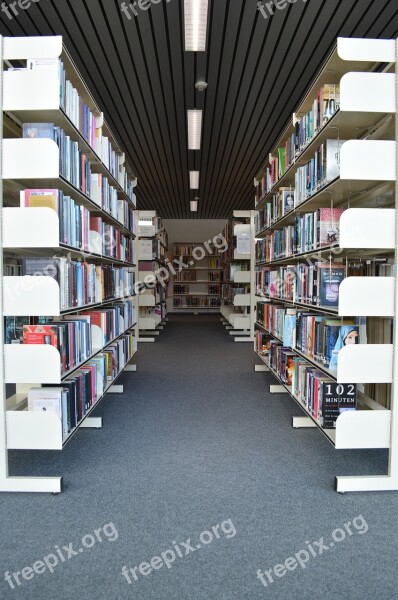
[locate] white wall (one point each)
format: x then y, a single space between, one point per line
191 230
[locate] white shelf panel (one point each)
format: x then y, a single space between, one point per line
30 228
367 297
368 228
32 363
242 277
363 429
30 159
32 47
31 296
28 429
42 86
369 50
365 363
368 92
242 229
146 300
242 300
241 256
368 160
149 323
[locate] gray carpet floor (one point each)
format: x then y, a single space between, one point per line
196 442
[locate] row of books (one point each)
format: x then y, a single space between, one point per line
323 168
73 164
75 220
106 196
150 249
320 338
82 283
306 128
230 269
229 292
316 284
310 231
77 110
72 400
196 302
323 398
192 276
84 120
281 203
76 337
110 241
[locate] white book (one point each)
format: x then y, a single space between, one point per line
46 400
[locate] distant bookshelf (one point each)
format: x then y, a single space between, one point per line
153 274
197 278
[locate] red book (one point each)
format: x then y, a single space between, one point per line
40 334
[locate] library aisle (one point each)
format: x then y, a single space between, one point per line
196 449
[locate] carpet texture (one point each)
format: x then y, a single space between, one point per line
196 449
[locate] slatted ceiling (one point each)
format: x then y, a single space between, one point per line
257 71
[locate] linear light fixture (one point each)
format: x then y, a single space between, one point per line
194 206
194 180
194 129
195 12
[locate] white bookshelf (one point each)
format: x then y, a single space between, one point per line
34 96
152 305
368 168
237 315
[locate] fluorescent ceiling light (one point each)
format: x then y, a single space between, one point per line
194 129
195 12
194 206
143 223
194 180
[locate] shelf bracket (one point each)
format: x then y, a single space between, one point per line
261 369
277 389
45 485
116 389
92 422
303 423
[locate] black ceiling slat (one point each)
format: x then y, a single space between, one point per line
272 72
297 84
252 91
231 14
216 42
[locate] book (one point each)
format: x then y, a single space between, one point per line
348 334
40 334
38 130
336 398
328 225
32 198
46 399
330 98
331 276
13 329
